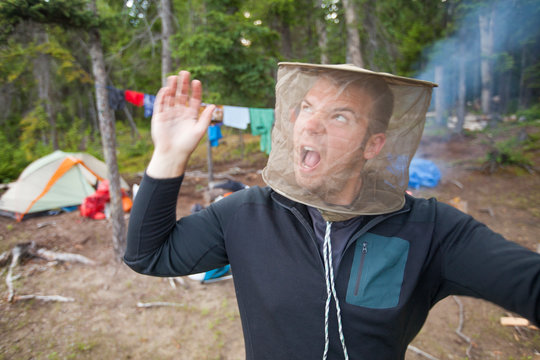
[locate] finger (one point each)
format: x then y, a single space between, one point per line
172 84
196 95
205 118
161 99
182 92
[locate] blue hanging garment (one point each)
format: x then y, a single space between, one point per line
214 134
148 103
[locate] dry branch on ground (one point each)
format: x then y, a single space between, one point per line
27 251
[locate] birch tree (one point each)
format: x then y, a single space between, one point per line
486 24
108 138
320 25
165 13
42 72
354 53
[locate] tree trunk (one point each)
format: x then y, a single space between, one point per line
286 39
93 115
42 68
439 96
524 91
166 32
354 54
461 89
486 24
505 82
320 25
108 137
134 130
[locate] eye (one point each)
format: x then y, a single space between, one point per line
341 118
306 107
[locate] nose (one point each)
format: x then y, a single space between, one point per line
314 123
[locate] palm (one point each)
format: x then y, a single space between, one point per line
176 126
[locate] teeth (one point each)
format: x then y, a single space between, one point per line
308 148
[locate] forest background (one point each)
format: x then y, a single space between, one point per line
477 50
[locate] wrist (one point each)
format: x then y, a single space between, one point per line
166 166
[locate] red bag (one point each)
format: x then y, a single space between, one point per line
93 206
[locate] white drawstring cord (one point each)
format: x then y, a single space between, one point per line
328 291
331 290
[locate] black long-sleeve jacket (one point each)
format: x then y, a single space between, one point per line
392 271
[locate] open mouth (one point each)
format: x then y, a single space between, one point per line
310 157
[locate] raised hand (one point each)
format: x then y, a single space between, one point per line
177 127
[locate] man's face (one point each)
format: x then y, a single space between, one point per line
329 140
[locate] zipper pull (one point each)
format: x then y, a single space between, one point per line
364 247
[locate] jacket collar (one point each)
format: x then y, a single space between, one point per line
290 204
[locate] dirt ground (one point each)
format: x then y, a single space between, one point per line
105 322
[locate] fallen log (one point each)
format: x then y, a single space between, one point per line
158 304
62 256
460 327
421 353
15 256
28 250
46 298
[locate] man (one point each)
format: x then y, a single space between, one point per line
333 259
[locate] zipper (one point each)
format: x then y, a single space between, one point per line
368 226
309 229
360 267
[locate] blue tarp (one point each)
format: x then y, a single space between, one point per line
423 173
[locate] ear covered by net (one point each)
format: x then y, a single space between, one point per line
344 137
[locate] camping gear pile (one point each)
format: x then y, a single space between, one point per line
94 206
60 180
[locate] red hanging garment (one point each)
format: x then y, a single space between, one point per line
134 97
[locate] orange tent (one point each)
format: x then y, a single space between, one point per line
57 180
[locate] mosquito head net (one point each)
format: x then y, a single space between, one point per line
344 137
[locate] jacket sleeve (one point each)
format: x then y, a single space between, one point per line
159 245
479 262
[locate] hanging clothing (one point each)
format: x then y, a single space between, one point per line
262 121
116 98
148 104
236 116
217 115
214 134
134 97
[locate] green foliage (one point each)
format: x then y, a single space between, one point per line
33 132
530 114
67 13
509 152
75 135
12 160
233 57
505 62
416 26
14 61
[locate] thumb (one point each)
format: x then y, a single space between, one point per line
205 118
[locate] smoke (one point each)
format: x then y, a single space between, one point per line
513 24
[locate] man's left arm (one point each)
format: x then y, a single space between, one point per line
481 263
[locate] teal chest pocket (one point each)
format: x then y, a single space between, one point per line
377 271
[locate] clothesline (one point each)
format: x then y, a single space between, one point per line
261 119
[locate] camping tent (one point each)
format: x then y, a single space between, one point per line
57 180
